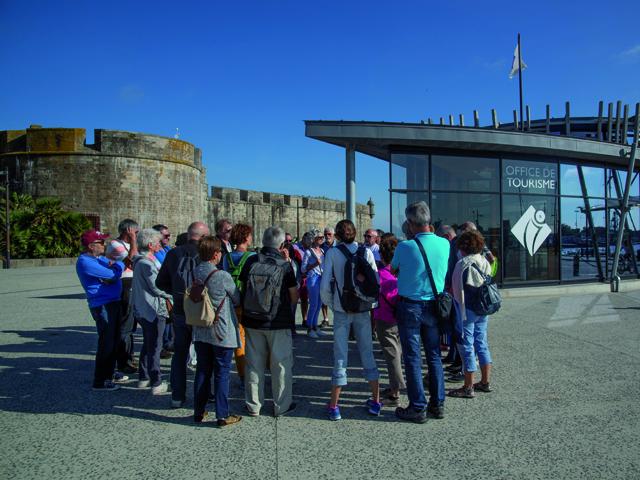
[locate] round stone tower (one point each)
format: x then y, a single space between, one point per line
148 178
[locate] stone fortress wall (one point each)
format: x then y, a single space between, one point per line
149 178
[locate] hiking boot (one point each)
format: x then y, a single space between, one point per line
107 386
410 414
334 413
435 412
230 420
159 389
482 387
373 407
462 392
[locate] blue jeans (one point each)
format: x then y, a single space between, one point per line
362 330
149 362
181 343
216 360
416 324
315 303
107 318
474 340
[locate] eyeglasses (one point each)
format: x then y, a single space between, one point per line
328 234
368 236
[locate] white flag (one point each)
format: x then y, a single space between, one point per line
516 63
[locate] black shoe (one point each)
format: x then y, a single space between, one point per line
436 412
409 414
454 367
455 378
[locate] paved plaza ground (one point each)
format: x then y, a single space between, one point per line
566 403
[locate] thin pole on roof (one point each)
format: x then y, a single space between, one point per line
609 121
520 79
567 119
461 120
451 120
547 125
476 119
625 125
515 120
494 118
528 117
429 122
624 207
618 113
600 112
441 121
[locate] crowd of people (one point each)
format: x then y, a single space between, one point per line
378 289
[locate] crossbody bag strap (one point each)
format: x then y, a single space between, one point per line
427 267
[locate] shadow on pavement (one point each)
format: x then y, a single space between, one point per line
53 374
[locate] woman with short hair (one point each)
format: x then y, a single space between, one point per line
467 274
215 344
149 305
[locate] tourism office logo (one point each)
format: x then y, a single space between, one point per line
531 230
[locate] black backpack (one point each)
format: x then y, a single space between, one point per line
485 299
361 286
263 287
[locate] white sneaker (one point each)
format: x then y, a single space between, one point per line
159 389
313 334
143 383
119 377
320 333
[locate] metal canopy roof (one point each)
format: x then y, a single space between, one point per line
379 139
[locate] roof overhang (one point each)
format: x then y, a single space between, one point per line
379 139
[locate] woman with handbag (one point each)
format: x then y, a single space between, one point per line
387 324
467 275
215 344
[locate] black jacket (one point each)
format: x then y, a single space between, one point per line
168 279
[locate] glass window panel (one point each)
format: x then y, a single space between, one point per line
520 176
409 172
630 253
399 201
530 238
577 252
620 177
570 180
477 174
483 209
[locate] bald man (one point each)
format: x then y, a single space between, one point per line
173 278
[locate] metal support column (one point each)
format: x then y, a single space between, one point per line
351 183
624 207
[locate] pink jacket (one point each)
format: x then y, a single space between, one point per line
388 296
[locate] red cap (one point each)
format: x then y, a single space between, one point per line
91 236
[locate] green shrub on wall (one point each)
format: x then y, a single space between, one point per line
41 228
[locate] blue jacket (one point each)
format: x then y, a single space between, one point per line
100 279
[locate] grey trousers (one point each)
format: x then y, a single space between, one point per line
275 346
391 349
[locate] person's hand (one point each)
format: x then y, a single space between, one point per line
131 235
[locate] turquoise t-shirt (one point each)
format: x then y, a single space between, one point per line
413 281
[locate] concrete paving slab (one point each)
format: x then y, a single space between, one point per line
565 403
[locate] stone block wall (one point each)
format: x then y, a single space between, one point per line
296 214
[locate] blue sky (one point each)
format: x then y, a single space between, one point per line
239 78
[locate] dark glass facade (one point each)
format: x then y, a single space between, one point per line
544 218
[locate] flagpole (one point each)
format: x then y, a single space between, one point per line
520 79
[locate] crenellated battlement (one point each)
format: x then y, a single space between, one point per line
36 140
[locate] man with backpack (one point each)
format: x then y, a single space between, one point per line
175 275
415 261
270 289
350 287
